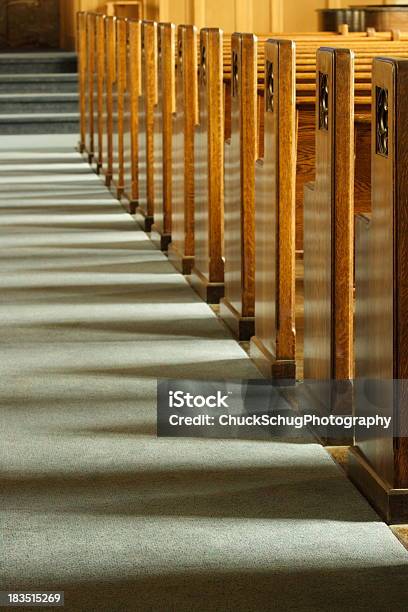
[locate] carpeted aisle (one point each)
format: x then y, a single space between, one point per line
91 502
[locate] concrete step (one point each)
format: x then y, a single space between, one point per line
45 123
37 83
34 63
38 103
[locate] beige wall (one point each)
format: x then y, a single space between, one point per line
261 16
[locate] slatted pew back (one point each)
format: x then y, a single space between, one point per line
131 117
147 103
163 130
181 249
378 463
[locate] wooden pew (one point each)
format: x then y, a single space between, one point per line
131 117
99 91
274 345
147 103
181 248
90 86
118 98
208 272
237 308
329 252
378 463
82 77
328 257
162 139
305 173
214 110
110 76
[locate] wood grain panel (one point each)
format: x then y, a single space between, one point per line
273 346
131 118
147 103
208 272
163 125
99 90
82 77
181 249
380 459
238 305
329 225
110 77
90 76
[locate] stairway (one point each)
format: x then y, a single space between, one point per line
38 93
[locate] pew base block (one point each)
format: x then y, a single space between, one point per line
209 292
98 168
269 365
160 239
90 158
81 147
129 204
320 399
243 328
182 263
145 220
391 504
108 180
119 193
132 206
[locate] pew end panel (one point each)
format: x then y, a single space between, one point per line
273 347
99 92
90 88
82 78
162 137
207 277
185 120
237 308
118 96
329 229
110 77
378 462
146 113
131 118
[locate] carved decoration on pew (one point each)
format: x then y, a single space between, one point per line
323 101
269 89
382 121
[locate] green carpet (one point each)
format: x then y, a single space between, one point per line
91 502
